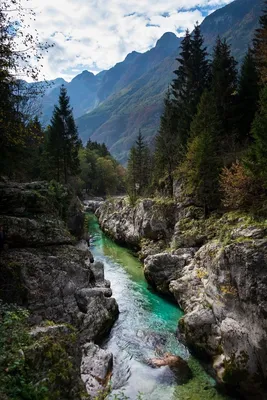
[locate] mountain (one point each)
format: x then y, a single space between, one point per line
87 90
111 106
135 88
82 91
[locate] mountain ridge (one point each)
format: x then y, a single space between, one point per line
111 106
117 120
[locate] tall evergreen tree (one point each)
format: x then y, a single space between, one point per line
131 175
166 155
260 46
224 88
200 167
138 171
180 82
257 157
63 142
248 96
200 68
142 163
192 78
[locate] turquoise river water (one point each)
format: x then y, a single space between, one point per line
146 328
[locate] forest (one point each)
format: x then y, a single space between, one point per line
30 151
212 138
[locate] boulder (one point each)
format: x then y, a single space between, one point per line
84 296
177 365
101 314
96 369
161 269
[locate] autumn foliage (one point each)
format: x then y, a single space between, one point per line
237 186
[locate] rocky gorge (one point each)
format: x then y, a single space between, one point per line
215 268
50 274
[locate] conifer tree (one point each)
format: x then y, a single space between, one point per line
200 167
138 170
131 175
140 161
248 96
192 78
142 164
180 82
260 46
200 68
63 142
224 88
166 155
257 157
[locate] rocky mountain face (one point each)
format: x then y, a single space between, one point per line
216 270
139 103
44 270
111 106
87 90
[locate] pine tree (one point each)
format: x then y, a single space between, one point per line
180 82
192 79
200 69
257 157
32 154
63 142
200 168
138 170
260 46
140 163
142 166
131 175
166 155
224 88
248 96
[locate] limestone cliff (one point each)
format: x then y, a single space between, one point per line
216 269
44 270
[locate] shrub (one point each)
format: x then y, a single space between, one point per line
237 186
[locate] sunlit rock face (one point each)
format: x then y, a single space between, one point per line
129 225
216 269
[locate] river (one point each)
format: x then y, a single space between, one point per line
146 328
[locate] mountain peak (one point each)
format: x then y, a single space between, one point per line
169 40
85 75
131 56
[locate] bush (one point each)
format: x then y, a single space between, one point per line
15 378
238 187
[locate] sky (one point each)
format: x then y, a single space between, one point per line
96 34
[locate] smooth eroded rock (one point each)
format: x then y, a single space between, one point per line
96 368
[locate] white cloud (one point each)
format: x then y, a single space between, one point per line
96 34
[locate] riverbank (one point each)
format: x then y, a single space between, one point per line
146 328
55 302
215 268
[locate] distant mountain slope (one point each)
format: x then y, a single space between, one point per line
116 121
87 90
139 105
82 91
235 22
